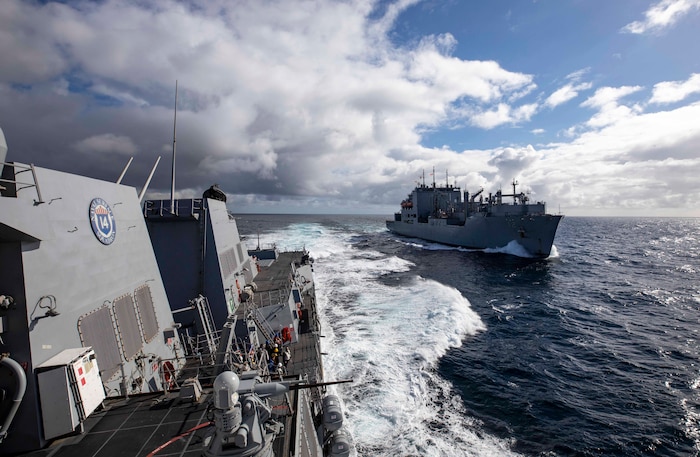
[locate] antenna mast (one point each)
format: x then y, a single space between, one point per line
172 176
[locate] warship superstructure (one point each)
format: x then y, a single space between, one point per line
132 327
441 214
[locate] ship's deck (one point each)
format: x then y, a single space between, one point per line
140 424
136 426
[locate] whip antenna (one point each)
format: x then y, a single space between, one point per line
172 176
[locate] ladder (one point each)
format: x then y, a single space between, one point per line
207 320
262 325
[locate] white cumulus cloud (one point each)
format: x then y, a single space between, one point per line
675 91
662 15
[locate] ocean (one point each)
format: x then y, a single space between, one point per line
591 352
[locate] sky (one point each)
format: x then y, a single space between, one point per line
342 106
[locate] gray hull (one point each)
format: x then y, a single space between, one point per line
534 233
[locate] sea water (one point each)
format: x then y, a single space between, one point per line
593 351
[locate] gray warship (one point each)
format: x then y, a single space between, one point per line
439 214
132 327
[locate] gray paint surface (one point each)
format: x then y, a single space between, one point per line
52 261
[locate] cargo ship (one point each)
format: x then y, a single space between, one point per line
443 214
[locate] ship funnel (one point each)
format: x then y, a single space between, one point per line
3 149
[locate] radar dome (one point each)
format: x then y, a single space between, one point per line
225 390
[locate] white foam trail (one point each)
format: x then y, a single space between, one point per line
691 409
553 253
512 248
389 338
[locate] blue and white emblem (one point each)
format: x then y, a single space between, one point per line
102 220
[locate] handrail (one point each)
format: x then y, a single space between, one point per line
153 208
20 185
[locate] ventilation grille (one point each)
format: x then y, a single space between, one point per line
149 322
228 262
240 251
96 330
128 326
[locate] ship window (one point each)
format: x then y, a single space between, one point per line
127 326
96 330
144 304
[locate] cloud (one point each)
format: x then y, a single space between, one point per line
578 74
511 162
662 15
675 91
606 96
484 81
294 106
570 90
106 143
503 114
281 99
565 93
637 153
610 111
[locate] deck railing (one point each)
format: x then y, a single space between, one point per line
15 186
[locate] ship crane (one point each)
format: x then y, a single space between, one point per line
477 194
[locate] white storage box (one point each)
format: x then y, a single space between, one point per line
70 389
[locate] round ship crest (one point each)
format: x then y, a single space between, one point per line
102 220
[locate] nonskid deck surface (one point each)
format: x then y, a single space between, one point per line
276 276
136 426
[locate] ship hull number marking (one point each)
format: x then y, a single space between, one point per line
102 220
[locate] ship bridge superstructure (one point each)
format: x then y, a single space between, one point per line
454 206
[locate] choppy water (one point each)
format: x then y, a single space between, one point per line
592 352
